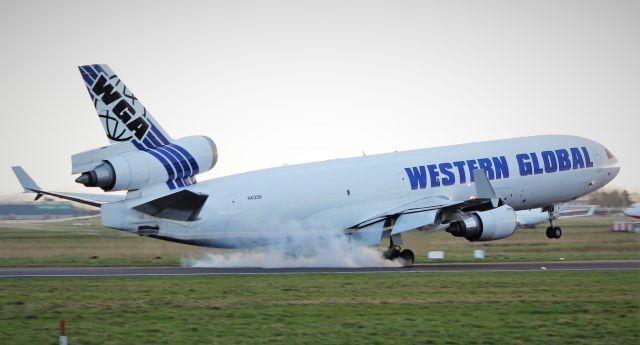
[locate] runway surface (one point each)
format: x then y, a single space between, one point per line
11 272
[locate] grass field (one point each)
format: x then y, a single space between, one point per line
83 242
546 307
75 242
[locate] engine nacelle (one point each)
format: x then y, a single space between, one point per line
174 164
486 226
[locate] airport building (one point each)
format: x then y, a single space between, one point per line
41 210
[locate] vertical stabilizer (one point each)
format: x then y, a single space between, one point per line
128 124
123 117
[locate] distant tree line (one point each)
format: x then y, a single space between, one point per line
611 198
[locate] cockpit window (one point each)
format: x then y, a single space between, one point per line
609 154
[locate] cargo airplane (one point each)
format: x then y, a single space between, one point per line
472 190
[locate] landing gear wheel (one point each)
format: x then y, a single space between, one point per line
549 234
408 257
556 232
392 253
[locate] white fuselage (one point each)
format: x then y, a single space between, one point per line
254 208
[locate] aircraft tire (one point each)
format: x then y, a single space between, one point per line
550 232
408 257
392 253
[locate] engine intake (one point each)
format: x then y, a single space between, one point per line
485 226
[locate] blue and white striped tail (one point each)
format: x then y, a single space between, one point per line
125 119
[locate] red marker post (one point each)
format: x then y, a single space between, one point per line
63 332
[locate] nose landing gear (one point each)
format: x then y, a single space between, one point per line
552 231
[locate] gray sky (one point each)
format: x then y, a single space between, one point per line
275 82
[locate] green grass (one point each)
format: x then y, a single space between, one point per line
77 242
546 307
72 243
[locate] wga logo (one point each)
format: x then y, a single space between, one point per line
120 117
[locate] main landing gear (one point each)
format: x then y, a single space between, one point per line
553 231
395 251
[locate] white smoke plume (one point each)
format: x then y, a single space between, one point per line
306 249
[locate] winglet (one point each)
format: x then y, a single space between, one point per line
484 190
28 184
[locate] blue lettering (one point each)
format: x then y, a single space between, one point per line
417 177
485 164
472 166
550 162
501 167
586 157
536 166
578 162
564 163
433 175
449 178
460 166
524 164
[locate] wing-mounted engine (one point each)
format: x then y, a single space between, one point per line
489 225
129 167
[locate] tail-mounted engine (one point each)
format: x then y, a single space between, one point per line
489 225
123 167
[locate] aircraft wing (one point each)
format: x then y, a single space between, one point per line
564 215
30 186
428 211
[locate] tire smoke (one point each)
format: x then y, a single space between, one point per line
309 249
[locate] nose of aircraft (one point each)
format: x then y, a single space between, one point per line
612 173
609 174
610 165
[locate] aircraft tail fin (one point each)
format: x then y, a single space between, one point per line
142 154
123 117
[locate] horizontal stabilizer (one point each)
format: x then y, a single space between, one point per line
183 206
30 186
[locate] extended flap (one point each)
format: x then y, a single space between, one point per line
369 235
410 221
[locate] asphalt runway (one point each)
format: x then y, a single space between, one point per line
609 265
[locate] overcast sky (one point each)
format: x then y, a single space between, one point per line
274 82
